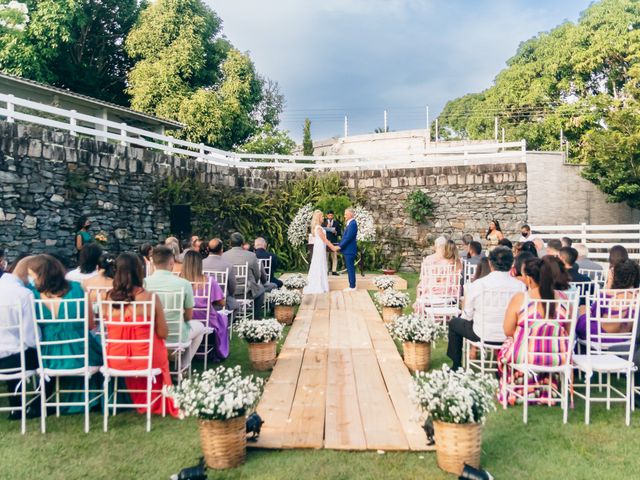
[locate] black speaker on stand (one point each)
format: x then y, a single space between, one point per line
180 218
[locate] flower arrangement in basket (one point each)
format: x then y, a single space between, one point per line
221 400
285 301
457 402
384 282
392 302
101 238
297 281
262 337
416 334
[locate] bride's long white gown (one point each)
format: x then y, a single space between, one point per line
318 280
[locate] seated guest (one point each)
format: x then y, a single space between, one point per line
49 284
256 278
192 272
106 272
472 325
525 234
14 292
246 246
215 262
127 287
260 245
475 253
545 279
145 255
203 250
186 246
505 242
617 254
553 247
583 260
529 247
482 270
566 242
163 280
568 256
87 263
450 255
438 255
465 252
433 281
624 276
539 244
516 271
174 245
3 262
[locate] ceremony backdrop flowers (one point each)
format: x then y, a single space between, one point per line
459 396
366 225
219 394
298 231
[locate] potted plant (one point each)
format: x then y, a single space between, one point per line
416 334
392 302
297 281
221 400
457 402
285 302
262 337
101 239
394 265
384 282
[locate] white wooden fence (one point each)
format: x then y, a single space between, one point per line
597 238
13 109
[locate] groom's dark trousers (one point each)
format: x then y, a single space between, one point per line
350 261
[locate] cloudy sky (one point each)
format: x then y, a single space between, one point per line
359 57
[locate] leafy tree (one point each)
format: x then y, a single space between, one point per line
74 44
307 143
269 140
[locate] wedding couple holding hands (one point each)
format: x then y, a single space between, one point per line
318 280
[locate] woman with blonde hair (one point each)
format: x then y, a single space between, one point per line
317 279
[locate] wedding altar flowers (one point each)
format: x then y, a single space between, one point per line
285 297
366 225
413 328
220 394
298 231
392 298
297 281
260 331
384 282
459 397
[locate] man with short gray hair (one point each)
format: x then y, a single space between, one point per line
260 247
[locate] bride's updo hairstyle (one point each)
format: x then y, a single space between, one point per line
316 220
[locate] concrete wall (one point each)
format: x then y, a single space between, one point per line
558 195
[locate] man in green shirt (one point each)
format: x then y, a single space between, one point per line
163 280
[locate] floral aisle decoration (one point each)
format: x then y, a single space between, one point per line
384 282
262 337
392 302
102 239
457 402
297 281
285 302
221 399
298 231
416 334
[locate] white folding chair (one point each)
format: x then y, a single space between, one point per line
265 265
598 276
469 272
97 295
493 305
242 292
19 373
117 342
546 329
608 353
584 290
202 295
439 295
60 312
173 305
222 278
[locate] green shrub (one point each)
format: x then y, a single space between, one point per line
420 206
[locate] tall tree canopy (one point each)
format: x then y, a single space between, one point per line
576 77
74 44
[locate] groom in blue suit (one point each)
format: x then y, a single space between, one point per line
349 247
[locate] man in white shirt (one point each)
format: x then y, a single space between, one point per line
14 292
471 325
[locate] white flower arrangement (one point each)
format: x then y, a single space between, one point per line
298 230
16 16
295 281
392 298
414 328
285 297
384 282
260 331
459 396
219 394
366 225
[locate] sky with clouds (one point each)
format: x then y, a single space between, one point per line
359 57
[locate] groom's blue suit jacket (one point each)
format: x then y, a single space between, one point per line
348 245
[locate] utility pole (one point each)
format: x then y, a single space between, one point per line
385 121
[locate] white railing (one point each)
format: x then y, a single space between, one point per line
597 238
14 108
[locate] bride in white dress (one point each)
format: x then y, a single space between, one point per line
318 280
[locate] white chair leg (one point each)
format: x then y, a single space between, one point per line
587 400
105 408
57 396
87 396
608 375
565 397
23 399
525 408
629 399
43 405
148 403
115 396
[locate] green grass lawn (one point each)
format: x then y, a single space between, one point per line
543 449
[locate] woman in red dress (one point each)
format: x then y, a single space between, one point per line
127 287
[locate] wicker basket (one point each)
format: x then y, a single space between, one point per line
224 442
417 356
262 355
457 444
389 314
284 314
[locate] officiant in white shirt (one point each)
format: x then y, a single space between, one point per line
333 231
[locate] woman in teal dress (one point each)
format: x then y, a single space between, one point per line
49 284
82 232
